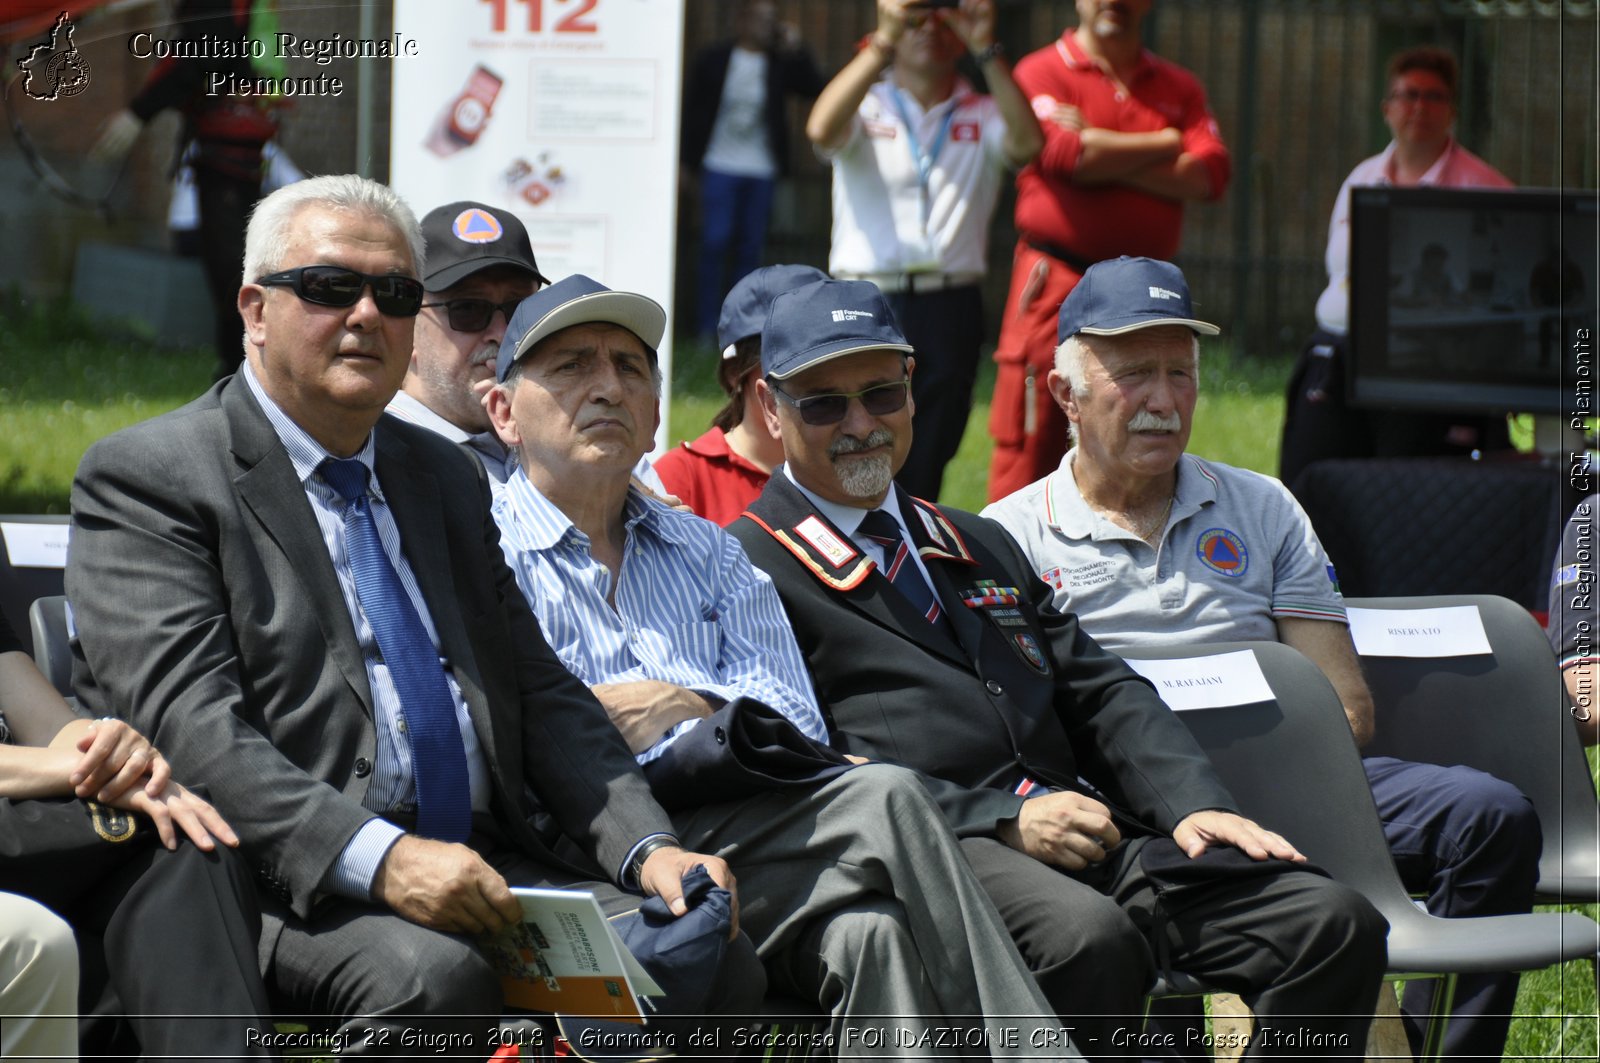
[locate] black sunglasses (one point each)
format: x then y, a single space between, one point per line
395 295
474 315
830 409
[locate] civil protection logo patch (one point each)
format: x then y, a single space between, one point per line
477 226
1222 551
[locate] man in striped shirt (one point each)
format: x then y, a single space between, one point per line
1149 545
855 889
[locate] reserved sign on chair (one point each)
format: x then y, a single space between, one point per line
1444 631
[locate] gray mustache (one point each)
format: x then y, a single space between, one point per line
878 437
1145 421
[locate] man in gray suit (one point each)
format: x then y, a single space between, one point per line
306 609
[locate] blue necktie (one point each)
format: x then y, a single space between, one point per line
438 758
883 529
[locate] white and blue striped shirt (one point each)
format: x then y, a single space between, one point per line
393 786
690 608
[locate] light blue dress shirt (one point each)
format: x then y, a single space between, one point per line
690 608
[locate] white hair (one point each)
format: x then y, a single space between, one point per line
1070 365
273 218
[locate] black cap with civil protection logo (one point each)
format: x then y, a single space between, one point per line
744 311
463 238
577 300
1126 294
824 320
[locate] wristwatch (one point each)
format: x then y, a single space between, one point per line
994 51
648 846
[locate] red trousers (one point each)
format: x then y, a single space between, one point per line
1029 429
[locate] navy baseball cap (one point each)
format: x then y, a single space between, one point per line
577 300
462 238
824 320
744 311
1126 294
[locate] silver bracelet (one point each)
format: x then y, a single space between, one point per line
995 51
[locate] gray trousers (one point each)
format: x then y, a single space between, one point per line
396 989
858 896
1306 953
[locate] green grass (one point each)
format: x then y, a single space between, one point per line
65 383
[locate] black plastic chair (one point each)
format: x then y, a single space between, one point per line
1292 765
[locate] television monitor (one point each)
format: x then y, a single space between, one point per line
1470 301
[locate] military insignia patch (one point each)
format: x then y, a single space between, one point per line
1028 647
825 542
112 824
1222 551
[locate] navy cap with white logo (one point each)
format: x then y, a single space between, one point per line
1126 294
577 300
825 320
462 238
744 311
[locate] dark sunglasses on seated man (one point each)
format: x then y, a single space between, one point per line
474 315
879 400
394 295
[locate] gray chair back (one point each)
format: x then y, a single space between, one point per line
1505 713
52 648
1292 765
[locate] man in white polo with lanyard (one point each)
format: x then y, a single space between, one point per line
918 159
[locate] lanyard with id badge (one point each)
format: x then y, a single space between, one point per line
923 160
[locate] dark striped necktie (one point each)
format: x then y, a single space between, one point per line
883 529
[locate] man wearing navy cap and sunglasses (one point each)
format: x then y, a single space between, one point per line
480 265
304 602
1090 815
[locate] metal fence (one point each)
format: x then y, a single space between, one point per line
1296 88
1295 85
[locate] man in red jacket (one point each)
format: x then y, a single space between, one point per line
1129 138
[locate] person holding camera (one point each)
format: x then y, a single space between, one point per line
919 158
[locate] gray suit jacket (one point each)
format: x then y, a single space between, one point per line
209 614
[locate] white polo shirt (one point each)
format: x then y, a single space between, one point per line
884 221
1237 553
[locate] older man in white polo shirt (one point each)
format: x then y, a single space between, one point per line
1149 545
918 162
